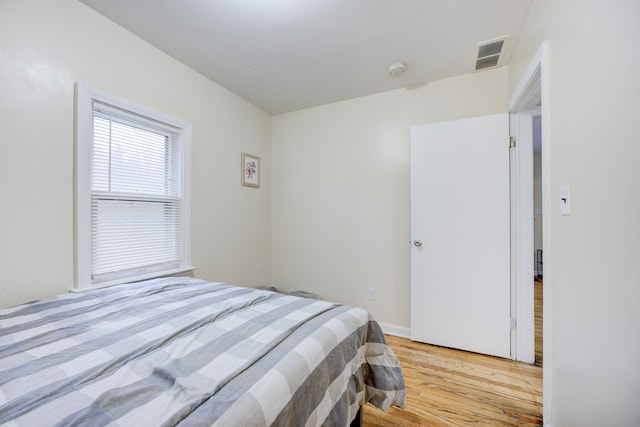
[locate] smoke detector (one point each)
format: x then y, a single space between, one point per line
397 69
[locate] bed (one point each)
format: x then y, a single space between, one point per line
183 351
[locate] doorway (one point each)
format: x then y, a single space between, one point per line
538 221
527 107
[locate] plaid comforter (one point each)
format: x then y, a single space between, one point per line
182 351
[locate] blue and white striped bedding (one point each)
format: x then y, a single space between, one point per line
182 351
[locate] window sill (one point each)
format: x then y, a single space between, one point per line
174 272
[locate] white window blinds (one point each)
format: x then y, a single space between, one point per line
135 194
138 214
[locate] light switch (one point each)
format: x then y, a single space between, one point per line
565 201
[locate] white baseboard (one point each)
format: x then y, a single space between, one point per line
398 331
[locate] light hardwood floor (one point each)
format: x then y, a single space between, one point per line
447 387
537 286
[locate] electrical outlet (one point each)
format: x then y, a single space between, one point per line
372 294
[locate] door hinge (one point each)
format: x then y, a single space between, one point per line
512 142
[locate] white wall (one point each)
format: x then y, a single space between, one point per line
592 286
45 47
340 196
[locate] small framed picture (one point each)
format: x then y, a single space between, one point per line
250 170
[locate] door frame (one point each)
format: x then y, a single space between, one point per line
532 89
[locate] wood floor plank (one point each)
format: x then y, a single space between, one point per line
537 289
447 387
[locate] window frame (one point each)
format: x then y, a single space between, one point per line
85 97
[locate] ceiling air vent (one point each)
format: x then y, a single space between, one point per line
488 53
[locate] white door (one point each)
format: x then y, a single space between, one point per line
460 290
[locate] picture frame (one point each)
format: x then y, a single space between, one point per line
250 170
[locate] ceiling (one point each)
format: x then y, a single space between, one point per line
286 55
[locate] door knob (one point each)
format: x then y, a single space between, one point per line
417 243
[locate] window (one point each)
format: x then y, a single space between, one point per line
132 191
